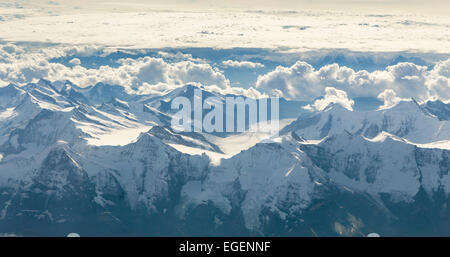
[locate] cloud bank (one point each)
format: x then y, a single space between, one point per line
158 75
242 64
408 80
143 75
273 29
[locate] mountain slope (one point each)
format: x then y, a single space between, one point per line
407 119
100 161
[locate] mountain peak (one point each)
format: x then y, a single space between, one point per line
10 91
408 107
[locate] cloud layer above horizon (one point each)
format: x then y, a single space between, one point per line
145 26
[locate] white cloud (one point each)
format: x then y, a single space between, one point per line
302 81
145 75
149 70
250 92
442 69
158 89
155 71
389 98
332 96
153 28
19 65
439 88
290 81
10 49
439 82
201 73
242 64
75 61
179 56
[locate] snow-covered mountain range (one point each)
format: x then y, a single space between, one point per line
102 161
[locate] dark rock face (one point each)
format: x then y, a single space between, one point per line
438 108
58 194
344 213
